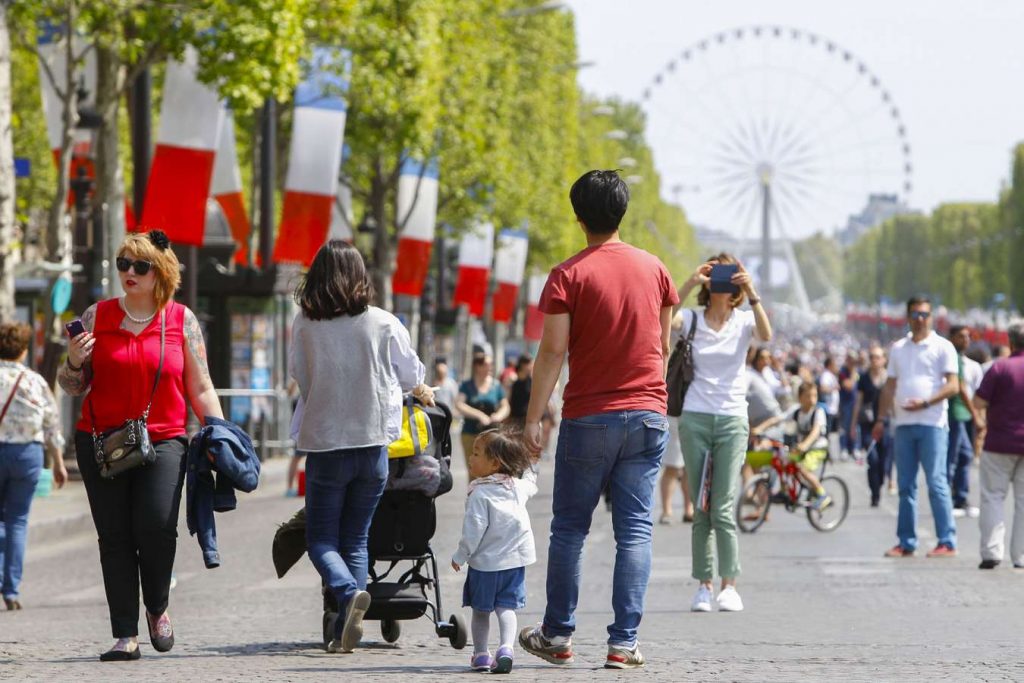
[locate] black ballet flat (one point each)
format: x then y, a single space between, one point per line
121 655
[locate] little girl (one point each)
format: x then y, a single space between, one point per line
497 542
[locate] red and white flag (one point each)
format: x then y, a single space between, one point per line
509 267
476 251
314 161
417 199
534 328
342 216
226 188
191 119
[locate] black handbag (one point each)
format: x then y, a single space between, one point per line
680 370
128 446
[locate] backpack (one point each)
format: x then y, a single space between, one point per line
680 370
419 460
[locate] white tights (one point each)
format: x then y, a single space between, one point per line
481 627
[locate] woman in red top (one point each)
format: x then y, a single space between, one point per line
116 360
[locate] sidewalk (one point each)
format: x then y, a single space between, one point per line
65 512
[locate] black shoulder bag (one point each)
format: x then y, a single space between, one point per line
680 370
128 446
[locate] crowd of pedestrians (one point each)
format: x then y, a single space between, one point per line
921 404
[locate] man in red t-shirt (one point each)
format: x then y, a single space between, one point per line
609 306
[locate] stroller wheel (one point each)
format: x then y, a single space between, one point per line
458 634
390 629
329 619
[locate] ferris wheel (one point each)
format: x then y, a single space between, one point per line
767 132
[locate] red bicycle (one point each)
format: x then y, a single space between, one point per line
777 481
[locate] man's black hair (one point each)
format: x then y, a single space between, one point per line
599 199
956 329
917 301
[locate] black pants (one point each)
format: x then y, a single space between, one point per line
136 517
879 460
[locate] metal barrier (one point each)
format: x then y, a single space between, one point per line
270 417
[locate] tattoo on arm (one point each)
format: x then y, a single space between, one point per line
76 383
197 346
89 318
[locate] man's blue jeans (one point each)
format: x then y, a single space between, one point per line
20 465
343 488
623 451
958 460
924 446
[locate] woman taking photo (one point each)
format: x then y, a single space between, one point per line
28 418
714 422
352 362
865 409
481 402
141 351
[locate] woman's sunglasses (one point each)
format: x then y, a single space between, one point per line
141 267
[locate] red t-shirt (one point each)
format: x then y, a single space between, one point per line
124 366
613 294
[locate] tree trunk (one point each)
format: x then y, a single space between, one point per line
382 251
7 255
109 194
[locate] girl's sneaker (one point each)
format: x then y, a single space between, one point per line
503 661
481 661
729 600
702 600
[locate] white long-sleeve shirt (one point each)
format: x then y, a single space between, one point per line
496 533
351 372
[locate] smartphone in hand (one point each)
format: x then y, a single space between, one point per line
721 278
74 328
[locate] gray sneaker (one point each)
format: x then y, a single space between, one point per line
624 658
352 630
532 640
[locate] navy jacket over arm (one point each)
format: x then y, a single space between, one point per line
221 447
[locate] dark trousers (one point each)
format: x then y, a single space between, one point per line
136 518
879 460
959 458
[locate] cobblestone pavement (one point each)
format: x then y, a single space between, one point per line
818 606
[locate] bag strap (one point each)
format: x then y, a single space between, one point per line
693 328
156 381
10 398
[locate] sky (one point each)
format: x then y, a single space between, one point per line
954 70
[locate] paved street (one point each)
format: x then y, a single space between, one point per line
819 606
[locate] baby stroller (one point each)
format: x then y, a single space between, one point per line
400 535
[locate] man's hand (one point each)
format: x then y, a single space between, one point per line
914 404
979 422
456 566
531 438
878 432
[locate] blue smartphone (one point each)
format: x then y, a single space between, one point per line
721 278
74 328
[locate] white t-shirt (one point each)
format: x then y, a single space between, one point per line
920 370
973 374
828 384
719 384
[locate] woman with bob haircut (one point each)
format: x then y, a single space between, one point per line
352 362
28 419
714 421
116 361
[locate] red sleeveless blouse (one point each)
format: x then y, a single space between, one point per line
123 369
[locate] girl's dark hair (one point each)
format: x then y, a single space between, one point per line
704 295
508 450
336 284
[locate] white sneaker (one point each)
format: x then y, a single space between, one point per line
973 512
729 600
702 600
959 512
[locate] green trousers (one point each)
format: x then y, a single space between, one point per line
725 437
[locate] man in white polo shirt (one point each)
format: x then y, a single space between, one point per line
923 374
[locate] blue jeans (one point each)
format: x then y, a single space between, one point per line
343 488
623 451
920 445
958 460
847 437
20 465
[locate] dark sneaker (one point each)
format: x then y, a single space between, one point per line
624 658
988 564
532 640
899 551
502 661
942 550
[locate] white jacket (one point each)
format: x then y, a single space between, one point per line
496 533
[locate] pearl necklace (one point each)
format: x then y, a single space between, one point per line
137 321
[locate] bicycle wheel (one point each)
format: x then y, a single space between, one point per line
753 504
832 516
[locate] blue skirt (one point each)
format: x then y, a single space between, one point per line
486 591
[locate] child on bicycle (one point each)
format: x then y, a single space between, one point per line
497 542
811 448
